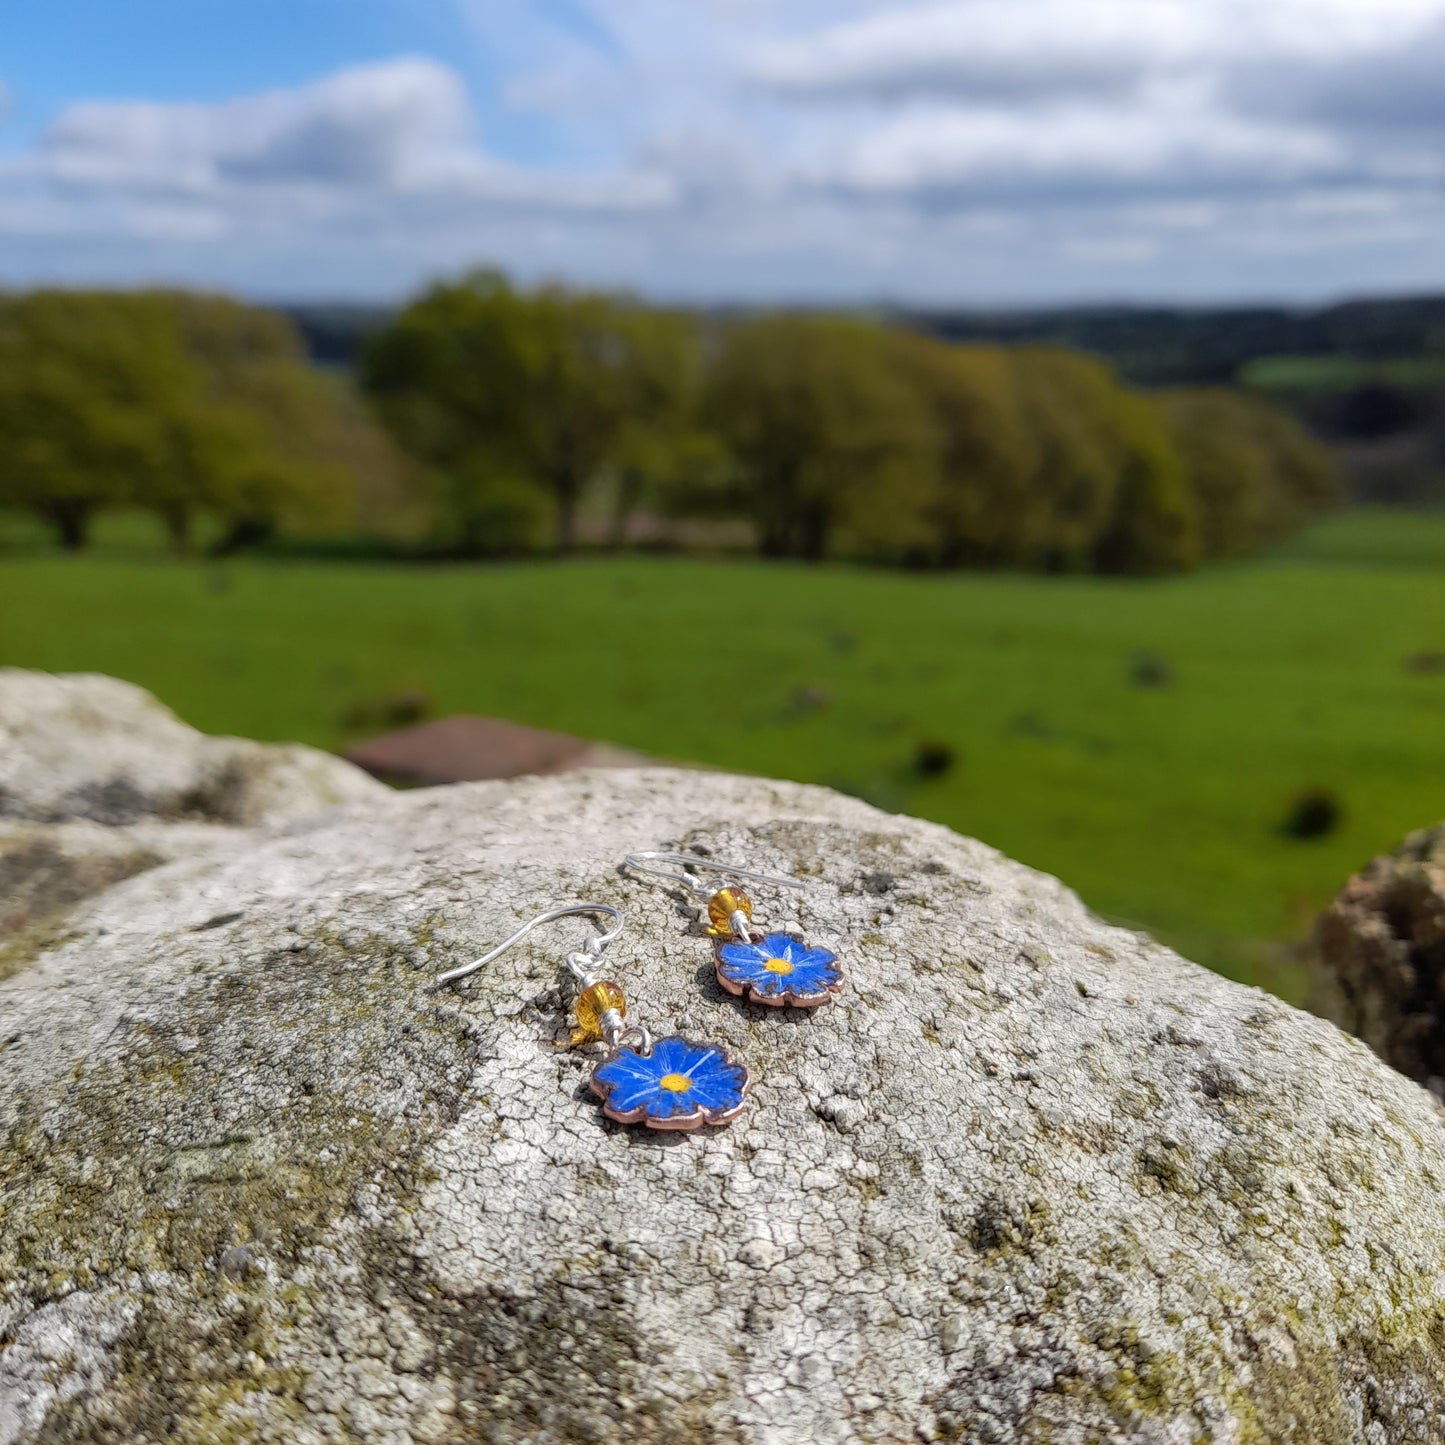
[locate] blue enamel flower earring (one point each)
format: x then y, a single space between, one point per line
776 969
670 1083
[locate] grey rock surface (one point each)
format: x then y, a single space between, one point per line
80 746
99 781
1031 1178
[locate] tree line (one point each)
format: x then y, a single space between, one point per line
179 404
508 416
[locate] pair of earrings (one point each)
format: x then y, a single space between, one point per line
676 1083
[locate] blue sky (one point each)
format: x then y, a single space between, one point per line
947 151
216 50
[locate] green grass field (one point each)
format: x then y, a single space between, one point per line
1330 373
1143 740
1375 537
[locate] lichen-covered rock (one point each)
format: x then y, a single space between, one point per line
82 746
1031 1178
1378 958
99 781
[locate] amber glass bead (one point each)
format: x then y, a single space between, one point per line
721 907
592 1003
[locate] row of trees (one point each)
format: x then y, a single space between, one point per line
179 404
832 436
507 415
520 404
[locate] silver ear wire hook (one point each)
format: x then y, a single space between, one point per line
685 863
590 951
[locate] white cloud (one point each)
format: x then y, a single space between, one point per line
982 51
383 149
1051 47
1080 152
972 149
378 125
1056 105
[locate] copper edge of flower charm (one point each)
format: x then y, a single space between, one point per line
775 969
677 1084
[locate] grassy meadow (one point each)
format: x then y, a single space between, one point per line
1144 740
1331 373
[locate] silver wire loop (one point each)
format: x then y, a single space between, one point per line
685 864
600 940
633 1031
581 966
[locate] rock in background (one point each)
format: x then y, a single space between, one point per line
99 781
1031 1178
1378 960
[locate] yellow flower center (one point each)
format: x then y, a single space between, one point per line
675 1083
778 965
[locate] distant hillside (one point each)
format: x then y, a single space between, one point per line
1186 346
1151 346
335 334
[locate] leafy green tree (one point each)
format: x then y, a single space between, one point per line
99 406
1046 460
660 451
311 438
173 403
1154 524
477 376
1307 479
1072 407
827 441
493 512
1254 473
978 511
1229 473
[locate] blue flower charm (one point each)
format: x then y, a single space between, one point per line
778 970
679 1085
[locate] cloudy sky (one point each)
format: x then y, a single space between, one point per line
970 151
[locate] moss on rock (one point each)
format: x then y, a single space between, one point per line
1029 1179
